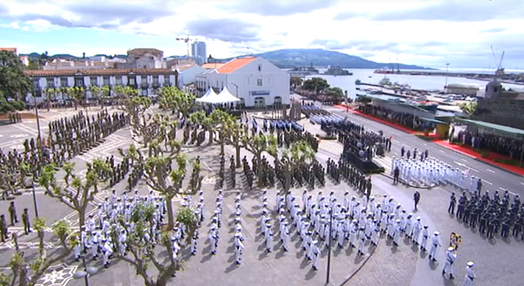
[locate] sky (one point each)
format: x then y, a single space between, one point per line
465 33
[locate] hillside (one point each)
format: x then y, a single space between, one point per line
288 58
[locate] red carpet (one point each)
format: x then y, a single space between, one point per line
490 160
383 121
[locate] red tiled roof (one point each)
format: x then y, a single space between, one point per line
8 49
96 72
212 65
235 64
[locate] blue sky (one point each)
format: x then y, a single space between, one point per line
423 32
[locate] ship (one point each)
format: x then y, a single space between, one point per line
336 70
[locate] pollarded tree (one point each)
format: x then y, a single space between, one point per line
236 133
27 273
76 94
50 95
75 193
159 174
100 93
143 252
258 144
298 155
177 100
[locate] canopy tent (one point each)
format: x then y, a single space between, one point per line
223 97
210 95
507 130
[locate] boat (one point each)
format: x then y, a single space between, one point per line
336 70
384 70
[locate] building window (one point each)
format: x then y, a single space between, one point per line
259 82
106 80
63 82
50 83
36 84
79 82
132 81
155 79
119 80
144 92
259 68
94 81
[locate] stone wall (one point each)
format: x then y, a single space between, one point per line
508 112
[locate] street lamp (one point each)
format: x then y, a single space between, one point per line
86 272
447 68
330 241
34 196
236 86
36 114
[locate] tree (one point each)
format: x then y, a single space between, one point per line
316 83
236 133
100 93
14 83
299 154
158 173
140 121
50 95
259 144
176 100
210 122
469 107
295 81
76 94
144 253
75 193
27 273
335 92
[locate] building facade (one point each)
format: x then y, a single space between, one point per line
257 82
462 89
144 59
187 74
199 52
147 81
500 106
77 65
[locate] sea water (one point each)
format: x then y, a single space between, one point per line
424 82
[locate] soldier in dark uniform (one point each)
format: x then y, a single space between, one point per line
452 202
461 206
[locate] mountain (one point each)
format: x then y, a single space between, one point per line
289 58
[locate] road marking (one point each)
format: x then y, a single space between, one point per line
464 165
395 141
522 183
487 182
464 160
442 151
425 144
491 171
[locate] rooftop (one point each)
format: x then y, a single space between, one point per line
145 50
8 49
212 65
96 72
235 64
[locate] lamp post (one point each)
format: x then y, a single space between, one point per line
34 196
330 241
447 69
86 272
236 86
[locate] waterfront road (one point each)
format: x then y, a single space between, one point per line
493 178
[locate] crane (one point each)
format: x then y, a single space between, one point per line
187 41
500 69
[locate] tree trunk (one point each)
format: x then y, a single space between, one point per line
211 136
48 105
170 214
287 182
81 216
41 242
222 143
237 155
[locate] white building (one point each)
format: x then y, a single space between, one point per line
187 74
60 64
256 81
144 59
147 81
199 52
462 89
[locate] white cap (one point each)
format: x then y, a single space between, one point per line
471 264
451 248
436 233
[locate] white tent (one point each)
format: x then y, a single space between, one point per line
208 97
224 97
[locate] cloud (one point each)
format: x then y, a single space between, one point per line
493 30
277 7
456 11
346 15
374 46
92 14
227 30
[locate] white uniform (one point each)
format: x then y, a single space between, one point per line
451 256
424 240
470 276
316 254
435 243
